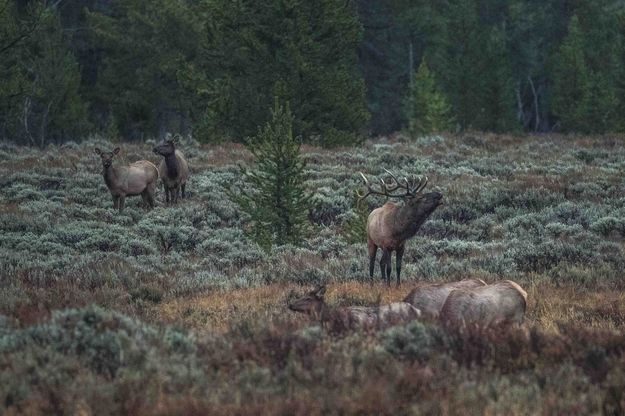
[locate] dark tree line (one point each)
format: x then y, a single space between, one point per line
135 69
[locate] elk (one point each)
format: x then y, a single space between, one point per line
430 297
173 169
496 304
353 317
389 226
138 178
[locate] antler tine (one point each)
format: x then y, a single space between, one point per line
422 184
363 196
392 176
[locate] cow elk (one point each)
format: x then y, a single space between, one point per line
501 303
353 317
138 178
430 297
173 169
389 226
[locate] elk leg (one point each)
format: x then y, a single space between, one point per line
373 249
182 187
166 194
151 189
174 194
386 258
121 200
151 198
400 254
115 202
144 198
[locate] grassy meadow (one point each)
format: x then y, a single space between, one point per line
177 311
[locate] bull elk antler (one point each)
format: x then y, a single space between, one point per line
411 187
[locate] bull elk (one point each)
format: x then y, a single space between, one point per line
173 169
353 317
500 303
138 178
429 298
389 226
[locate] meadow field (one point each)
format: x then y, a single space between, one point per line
177 311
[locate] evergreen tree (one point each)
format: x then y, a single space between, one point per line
300 51
149 77
39 86
496 95
459 62
571 82
277 202
426 107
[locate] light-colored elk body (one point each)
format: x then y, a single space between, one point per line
430 297
138 178
389 226
173 169
500 303
354 316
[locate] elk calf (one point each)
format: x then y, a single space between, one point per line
138 178
174 170
354 316
430 297
500 303
389 226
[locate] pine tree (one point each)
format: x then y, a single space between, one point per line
426 107
571 81
459 62
496 96
149 76
300 51
277 202
39 79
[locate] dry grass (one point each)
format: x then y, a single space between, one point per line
548 308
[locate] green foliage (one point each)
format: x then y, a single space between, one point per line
414 341
303 53
149 80
277 202
355 225
39 78
427 110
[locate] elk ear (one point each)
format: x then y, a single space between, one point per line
116 150
98 151
319 292
176 139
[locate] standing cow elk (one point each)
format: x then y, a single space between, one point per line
389 226
138 178
501 303
353 317
429 298
174 170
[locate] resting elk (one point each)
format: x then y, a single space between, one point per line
496 304
389 226
138 178
353 317
174 170
429 298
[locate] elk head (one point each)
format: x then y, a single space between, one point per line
107 157
410 190
167 146
311 304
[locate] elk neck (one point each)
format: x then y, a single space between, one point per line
406 221
172 165
110 176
